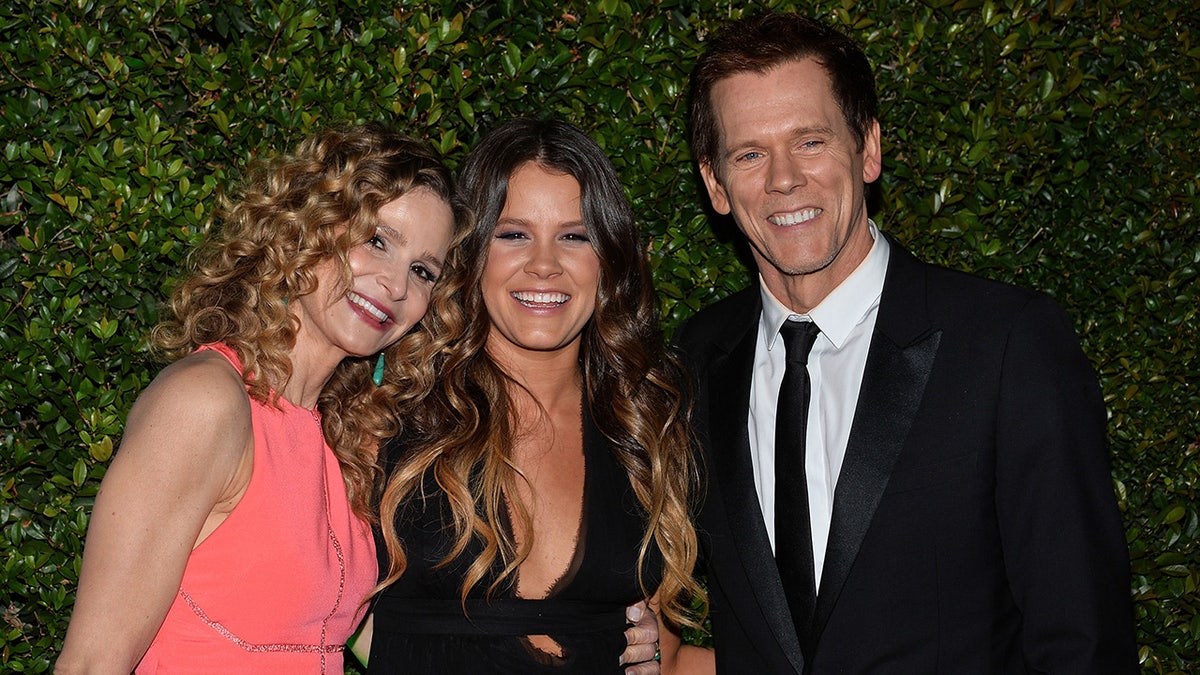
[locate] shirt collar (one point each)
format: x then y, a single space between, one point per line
844 308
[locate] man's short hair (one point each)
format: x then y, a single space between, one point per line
759 43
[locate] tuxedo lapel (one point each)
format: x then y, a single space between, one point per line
903 348
729 380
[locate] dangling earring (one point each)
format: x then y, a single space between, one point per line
377 377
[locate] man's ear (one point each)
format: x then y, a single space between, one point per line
716 191
872 154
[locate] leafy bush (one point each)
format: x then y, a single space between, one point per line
1048 143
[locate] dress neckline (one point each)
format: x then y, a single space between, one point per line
564 580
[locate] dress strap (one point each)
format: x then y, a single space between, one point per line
224 350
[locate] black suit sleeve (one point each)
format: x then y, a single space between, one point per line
1063 541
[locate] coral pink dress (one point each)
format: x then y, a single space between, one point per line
279 586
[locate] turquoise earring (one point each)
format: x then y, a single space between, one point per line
377 377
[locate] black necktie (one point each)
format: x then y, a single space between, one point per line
793 533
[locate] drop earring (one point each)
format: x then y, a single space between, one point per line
377 376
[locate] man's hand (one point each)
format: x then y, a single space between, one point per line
642 637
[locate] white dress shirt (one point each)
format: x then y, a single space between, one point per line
836 363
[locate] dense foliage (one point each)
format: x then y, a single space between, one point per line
1050 143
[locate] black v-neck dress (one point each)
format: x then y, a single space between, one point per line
420 626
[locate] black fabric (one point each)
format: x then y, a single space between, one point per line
420 626
974 528
793 531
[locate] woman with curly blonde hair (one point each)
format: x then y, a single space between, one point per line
545 480
232 531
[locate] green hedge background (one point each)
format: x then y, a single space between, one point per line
1051 143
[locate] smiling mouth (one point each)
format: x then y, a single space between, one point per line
368 306
540 300
795 218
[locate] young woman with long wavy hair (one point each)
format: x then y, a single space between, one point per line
544 480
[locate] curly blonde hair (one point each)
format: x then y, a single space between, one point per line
463 429
291 213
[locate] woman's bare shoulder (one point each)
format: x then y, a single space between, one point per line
197 405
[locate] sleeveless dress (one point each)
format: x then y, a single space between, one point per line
279 586
419 622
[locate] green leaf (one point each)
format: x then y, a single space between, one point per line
80 472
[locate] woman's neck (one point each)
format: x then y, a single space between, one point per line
309 377
550 377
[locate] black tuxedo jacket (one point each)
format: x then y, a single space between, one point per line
974 526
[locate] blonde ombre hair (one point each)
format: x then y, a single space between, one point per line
463 428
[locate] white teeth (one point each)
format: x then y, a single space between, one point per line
371 309
795 218
526 298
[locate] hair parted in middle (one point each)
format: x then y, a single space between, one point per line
634 390
268 236
759 43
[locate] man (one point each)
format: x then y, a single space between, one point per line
942 503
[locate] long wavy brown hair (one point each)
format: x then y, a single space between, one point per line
462 431
267 236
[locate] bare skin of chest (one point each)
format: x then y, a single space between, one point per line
551 460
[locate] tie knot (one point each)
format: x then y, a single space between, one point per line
798 338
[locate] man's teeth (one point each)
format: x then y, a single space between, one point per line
540 298
371 309
795 218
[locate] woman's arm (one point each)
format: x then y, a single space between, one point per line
678 657
184 461
360 642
